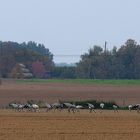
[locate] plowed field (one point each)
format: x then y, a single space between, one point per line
64 126
52 92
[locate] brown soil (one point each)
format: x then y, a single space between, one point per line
52 92
63 126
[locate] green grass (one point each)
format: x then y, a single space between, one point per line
81 81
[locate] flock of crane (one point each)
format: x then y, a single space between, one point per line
70 107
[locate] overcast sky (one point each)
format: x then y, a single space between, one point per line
70 27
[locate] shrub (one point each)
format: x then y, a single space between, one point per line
108 105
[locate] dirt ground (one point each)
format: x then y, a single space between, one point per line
108 125
52 92
82 125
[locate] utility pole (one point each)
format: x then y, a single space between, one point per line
105 46
105 59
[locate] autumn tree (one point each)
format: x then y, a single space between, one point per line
38 69
12 53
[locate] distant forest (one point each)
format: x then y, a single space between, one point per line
12 53
97 63
123 63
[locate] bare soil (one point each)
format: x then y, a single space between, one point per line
64 126
52 92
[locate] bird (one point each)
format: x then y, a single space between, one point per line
91 107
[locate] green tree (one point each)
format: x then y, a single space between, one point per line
12 53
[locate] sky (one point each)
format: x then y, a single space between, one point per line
70 27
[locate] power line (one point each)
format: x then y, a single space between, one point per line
63 55
67 55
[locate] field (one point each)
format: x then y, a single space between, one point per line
123 92
64 126
82 125
82 81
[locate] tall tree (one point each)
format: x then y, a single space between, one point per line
26 53
123 63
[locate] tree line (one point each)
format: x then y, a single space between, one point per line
12 53
97 63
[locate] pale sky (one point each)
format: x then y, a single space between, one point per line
70 27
